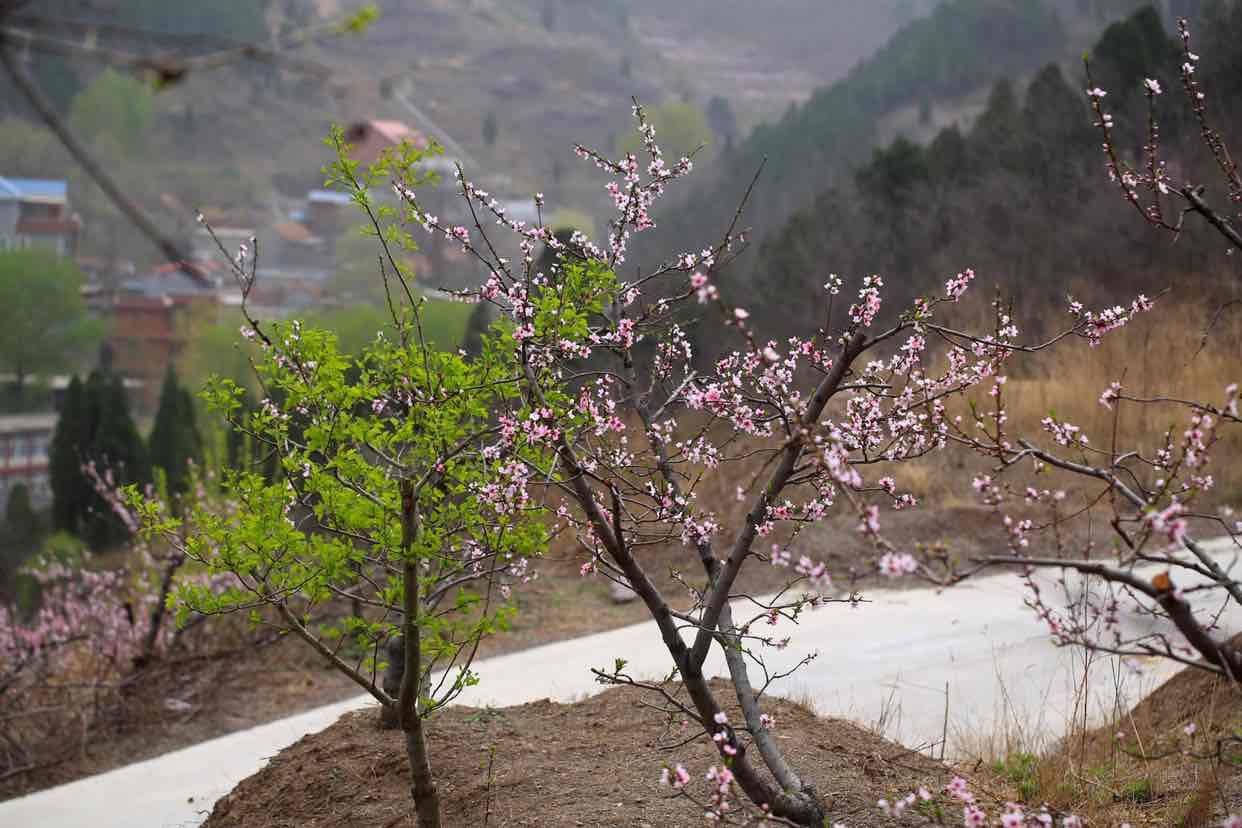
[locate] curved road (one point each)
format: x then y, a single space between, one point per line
885 663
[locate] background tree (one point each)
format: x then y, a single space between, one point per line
70 491
175 441
44 328
680 128
19 514
115 449
114 107
722 121
20 534
490 128
113 114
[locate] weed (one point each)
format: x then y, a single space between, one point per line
1021 770
485 714
1140 790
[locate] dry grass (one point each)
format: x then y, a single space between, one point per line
1161 354
1138 766
1164 353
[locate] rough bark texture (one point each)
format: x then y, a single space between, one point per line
426 796
390 715
798 806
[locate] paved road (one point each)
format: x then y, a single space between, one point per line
886 662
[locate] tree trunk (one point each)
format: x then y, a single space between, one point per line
390 715
426 796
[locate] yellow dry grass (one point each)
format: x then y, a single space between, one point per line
1180 350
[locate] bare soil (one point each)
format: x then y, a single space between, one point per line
223 695
596 762
1144 768
227 695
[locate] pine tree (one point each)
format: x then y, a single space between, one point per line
490 129
476 326
20 517
70 493
189 419
19 534
174 438
115 446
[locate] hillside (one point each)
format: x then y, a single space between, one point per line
546 73
934 71
1020 194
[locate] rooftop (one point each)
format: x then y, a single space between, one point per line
294 231
328 197
21 423
33 189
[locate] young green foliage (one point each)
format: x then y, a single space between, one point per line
396 522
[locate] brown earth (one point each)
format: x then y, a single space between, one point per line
1143 768
596 762
231 694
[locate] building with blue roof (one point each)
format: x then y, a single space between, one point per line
34 212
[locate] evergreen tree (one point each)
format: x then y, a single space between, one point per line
490 129
1133 49
114 445
70 492
997 136
175 439
476 326
722 121
19 534
19 516
189 416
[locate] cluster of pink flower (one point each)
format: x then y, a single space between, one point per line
974 815
86 605
1095 324
897 564
1065 434
631 196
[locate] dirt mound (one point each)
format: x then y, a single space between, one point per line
1175 759
594 762
1190 696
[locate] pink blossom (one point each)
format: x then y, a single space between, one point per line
897 564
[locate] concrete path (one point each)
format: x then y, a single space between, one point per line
887 663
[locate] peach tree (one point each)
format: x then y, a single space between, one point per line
632 424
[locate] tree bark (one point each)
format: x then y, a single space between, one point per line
801 806
423 788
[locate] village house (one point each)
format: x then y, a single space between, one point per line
25 440
151 318
369 139
35 212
